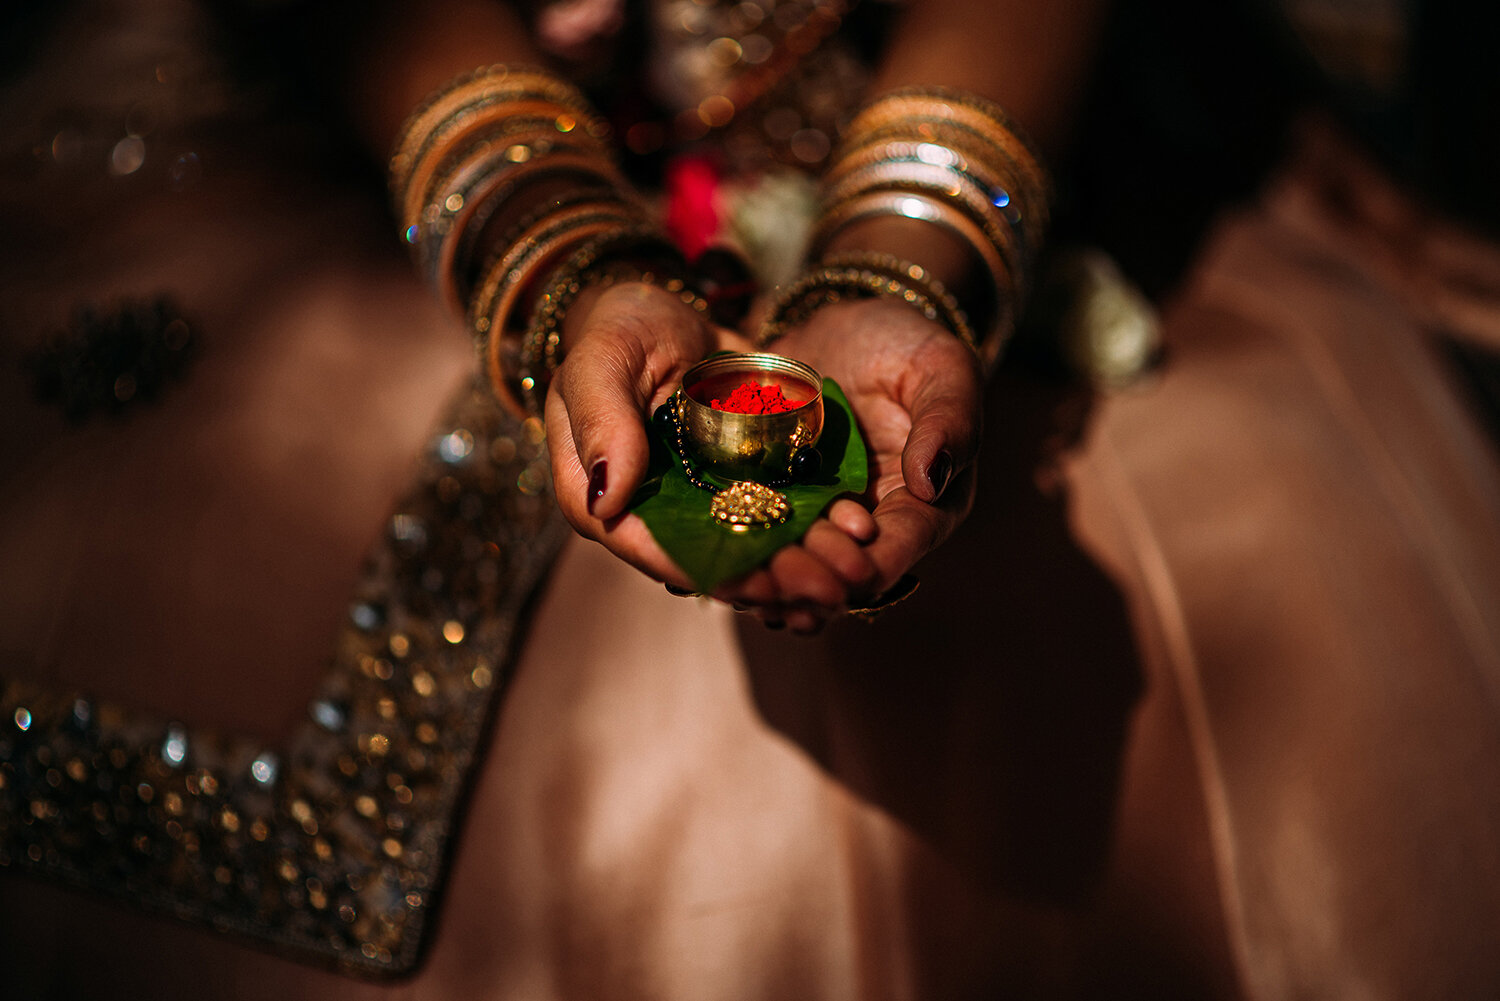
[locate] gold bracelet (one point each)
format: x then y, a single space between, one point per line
1028 195
485 84
865 276
938 182
645 249
506 278
464 269
512 134
437 256
922 207
965 122
465 145
995 188
972 111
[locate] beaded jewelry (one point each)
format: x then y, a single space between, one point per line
739 507
617 255
866 275
947 158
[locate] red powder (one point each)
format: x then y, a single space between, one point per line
753 398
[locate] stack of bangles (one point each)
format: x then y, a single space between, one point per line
946 158
495 145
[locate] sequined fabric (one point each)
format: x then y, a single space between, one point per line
332 847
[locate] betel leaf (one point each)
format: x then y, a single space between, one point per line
677 513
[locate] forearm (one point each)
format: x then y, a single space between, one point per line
1032 63
1030 58
408 50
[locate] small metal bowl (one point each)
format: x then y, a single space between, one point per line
765 448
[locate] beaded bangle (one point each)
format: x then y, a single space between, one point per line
917 206
614 256
950 313
865 276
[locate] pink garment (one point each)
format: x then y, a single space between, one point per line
1201 703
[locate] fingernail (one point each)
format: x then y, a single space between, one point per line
680 592
939 473
597 478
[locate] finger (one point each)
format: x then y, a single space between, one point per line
754 590
853 519
833 547
804 622
946 418
627 537
636 342
910 528
804 579
601 403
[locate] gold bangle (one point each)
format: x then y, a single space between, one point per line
485 84
438 256
924 151
463 271
926 209
998 190
960 119
507 276
1028 194
512 134
596 262
864 275
961 108
940 182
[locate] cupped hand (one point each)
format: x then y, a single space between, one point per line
916 392
628 348
914 389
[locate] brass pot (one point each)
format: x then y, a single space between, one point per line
759 447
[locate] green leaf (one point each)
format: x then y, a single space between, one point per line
677 513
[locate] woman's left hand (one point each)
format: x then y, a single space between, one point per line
916 391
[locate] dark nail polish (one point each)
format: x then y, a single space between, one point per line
680 592
939 473
596 483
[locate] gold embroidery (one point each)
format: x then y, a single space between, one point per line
334 846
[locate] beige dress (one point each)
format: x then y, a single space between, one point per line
1202 702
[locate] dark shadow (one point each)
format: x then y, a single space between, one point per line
988 711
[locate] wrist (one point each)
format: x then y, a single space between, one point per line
944 256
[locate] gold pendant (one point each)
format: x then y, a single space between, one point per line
747 505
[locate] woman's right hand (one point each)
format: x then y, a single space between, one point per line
628 347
